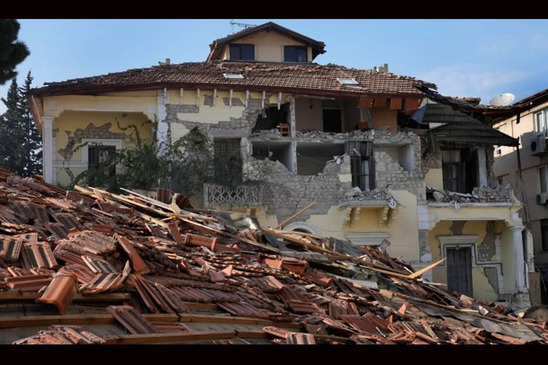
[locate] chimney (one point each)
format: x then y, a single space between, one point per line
383 68
168 62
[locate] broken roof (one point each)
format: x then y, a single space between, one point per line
130 269
306 78
217 45
459 127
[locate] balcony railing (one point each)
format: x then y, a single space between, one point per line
218 195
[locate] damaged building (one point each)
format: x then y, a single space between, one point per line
372 160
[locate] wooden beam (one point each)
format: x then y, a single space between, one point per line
74 319
425 269
67 319
279 226
263 100
157 338
181 93
197 97
246 98
200 318
214 99
78 297
230 95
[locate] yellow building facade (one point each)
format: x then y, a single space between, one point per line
332 143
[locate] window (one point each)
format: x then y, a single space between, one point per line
460 170
498 150
233 76
542 179
295 54
361 165
242 52
348 81
541 121
227 161
544 233
100 164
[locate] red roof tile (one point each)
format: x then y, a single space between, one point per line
60 291
305 78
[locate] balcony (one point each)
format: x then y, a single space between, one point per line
242 195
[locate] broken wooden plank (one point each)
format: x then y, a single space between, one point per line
425 269
166 338
279 226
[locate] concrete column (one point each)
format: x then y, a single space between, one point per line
292 121
521 282
482 167
162 129
48 153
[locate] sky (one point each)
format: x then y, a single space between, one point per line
463 57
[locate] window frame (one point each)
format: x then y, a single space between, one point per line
295 51
241 46
541 121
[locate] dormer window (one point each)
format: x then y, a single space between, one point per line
295 54
348 81
242 52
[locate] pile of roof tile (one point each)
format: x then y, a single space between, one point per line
178 266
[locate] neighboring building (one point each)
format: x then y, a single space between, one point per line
529 122
364 145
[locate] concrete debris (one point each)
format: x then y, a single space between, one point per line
179 276
356 194
499 194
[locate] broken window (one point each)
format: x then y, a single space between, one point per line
100 163
460 170
272 117
361 164
242 52
227 161
274 151
312 157
295 54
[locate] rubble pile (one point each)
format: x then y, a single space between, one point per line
500 194
157 271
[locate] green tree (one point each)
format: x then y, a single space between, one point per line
21 144
11 135
32 145
12 51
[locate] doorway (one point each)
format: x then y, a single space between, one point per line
459 270
332 119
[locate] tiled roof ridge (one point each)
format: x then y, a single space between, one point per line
276 66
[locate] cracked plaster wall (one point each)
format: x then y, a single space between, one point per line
284 191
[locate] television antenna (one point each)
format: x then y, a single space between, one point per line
243 25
